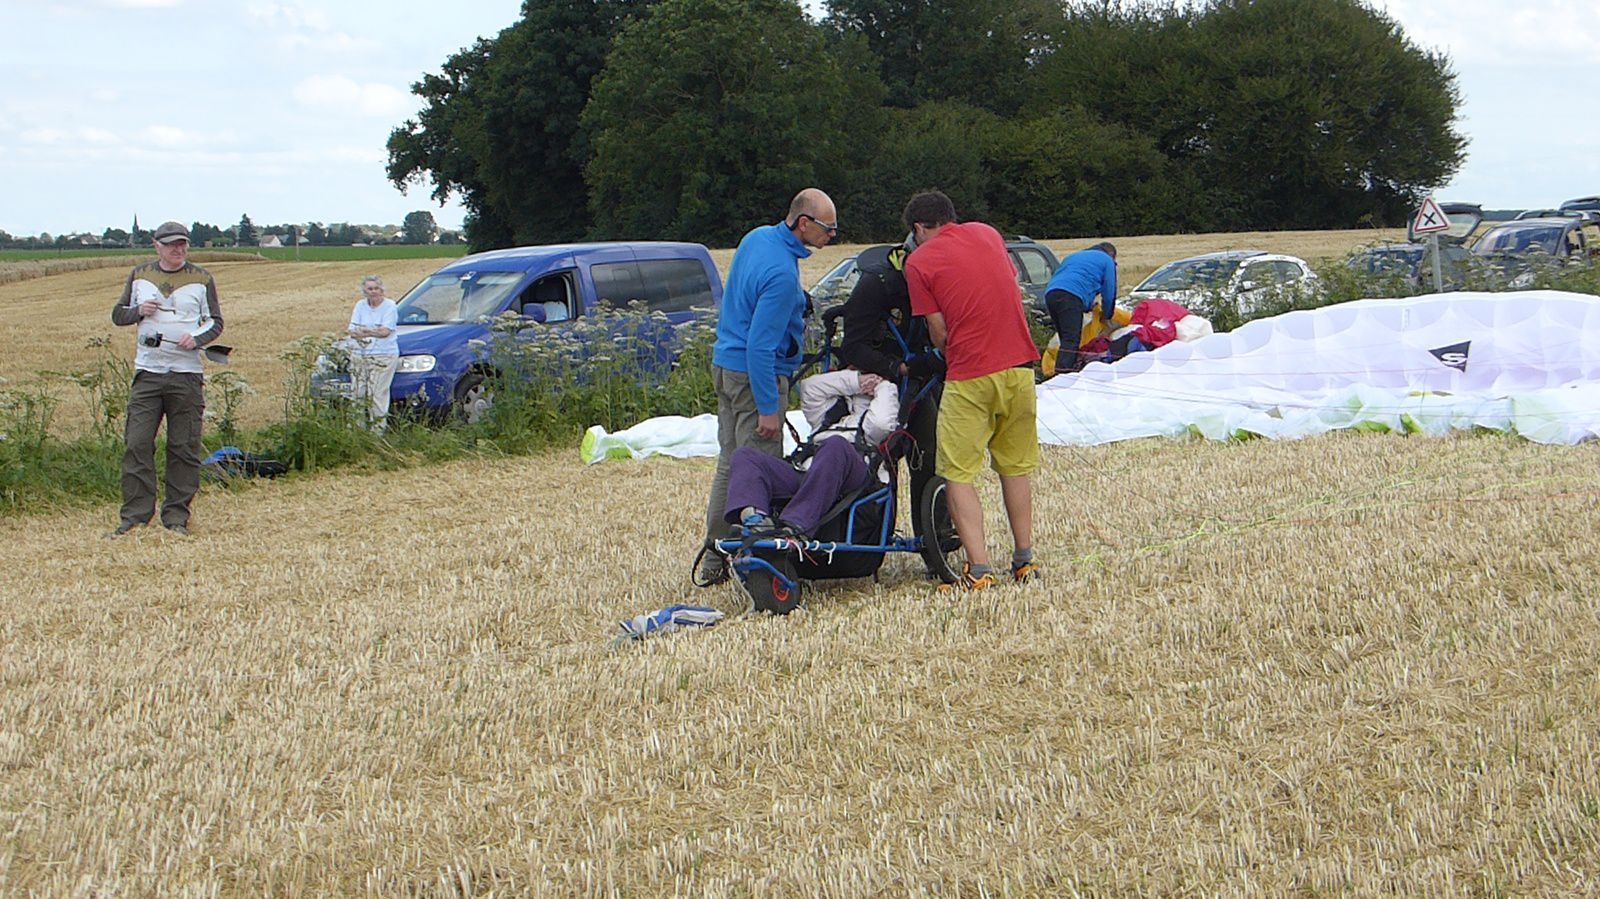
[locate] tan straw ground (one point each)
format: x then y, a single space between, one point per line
1355 665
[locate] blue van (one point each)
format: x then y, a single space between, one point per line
444 319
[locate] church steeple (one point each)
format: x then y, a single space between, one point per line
133 236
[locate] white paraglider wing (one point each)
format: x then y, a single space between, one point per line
1524 362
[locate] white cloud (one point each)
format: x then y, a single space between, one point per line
1473 32
298 27
288 15
43 136
167 136
341 94
362 155
141 4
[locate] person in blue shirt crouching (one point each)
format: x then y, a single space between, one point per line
1072 290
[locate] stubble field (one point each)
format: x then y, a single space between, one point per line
1356 665
268 304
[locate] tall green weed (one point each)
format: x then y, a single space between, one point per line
546 383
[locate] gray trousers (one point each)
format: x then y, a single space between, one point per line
180 398
736 427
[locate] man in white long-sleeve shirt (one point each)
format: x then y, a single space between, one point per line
870 409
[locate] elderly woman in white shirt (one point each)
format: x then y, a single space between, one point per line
375 350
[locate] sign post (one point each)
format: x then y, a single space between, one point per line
1431 220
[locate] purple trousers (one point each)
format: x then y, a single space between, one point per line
756 479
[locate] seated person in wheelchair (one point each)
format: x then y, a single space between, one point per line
850 413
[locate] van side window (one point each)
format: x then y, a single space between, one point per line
664 285
617 284
553 295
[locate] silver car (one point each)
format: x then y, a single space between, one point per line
1244 278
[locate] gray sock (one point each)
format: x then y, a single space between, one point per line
978 571
1021 557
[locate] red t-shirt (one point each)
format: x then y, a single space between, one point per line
965 274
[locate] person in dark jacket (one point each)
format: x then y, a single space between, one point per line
880 297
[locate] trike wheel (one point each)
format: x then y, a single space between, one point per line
941 545
768 592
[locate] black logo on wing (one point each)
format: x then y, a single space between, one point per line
1454 355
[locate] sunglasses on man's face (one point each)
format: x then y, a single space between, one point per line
831 229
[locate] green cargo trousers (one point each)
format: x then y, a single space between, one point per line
180 398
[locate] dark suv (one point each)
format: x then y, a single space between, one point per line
1034 261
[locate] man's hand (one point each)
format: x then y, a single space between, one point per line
870 382
767 425
149 308
186 342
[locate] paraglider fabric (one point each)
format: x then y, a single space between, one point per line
670 435
1525 363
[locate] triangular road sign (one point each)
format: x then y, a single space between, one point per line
1430 218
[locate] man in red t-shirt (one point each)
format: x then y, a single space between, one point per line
962 280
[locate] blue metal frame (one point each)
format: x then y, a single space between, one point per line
746 563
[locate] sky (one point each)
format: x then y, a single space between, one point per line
280 109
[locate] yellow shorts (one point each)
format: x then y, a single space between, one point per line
996 413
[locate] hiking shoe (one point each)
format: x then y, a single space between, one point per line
759 523
1025 573
179 529
967 583
710 568
122 528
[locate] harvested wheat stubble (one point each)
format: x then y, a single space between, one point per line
1355 665
265 307
268 305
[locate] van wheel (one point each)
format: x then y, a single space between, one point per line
473 398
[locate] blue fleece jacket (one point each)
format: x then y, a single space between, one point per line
760 327
1086 273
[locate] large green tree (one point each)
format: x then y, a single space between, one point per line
710 114
419 227
1274 113
1067 174
500 124
944 145
974 51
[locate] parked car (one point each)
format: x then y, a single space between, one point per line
1412 262
1243 277
1560 236
1034 261
444 320
1510 248
1592 216
1585 204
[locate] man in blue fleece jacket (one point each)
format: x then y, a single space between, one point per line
759 335
1071 292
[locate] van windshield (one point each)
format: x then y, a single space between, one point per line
449 297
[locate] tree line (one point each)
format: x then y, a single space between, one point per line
695 119
418 227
